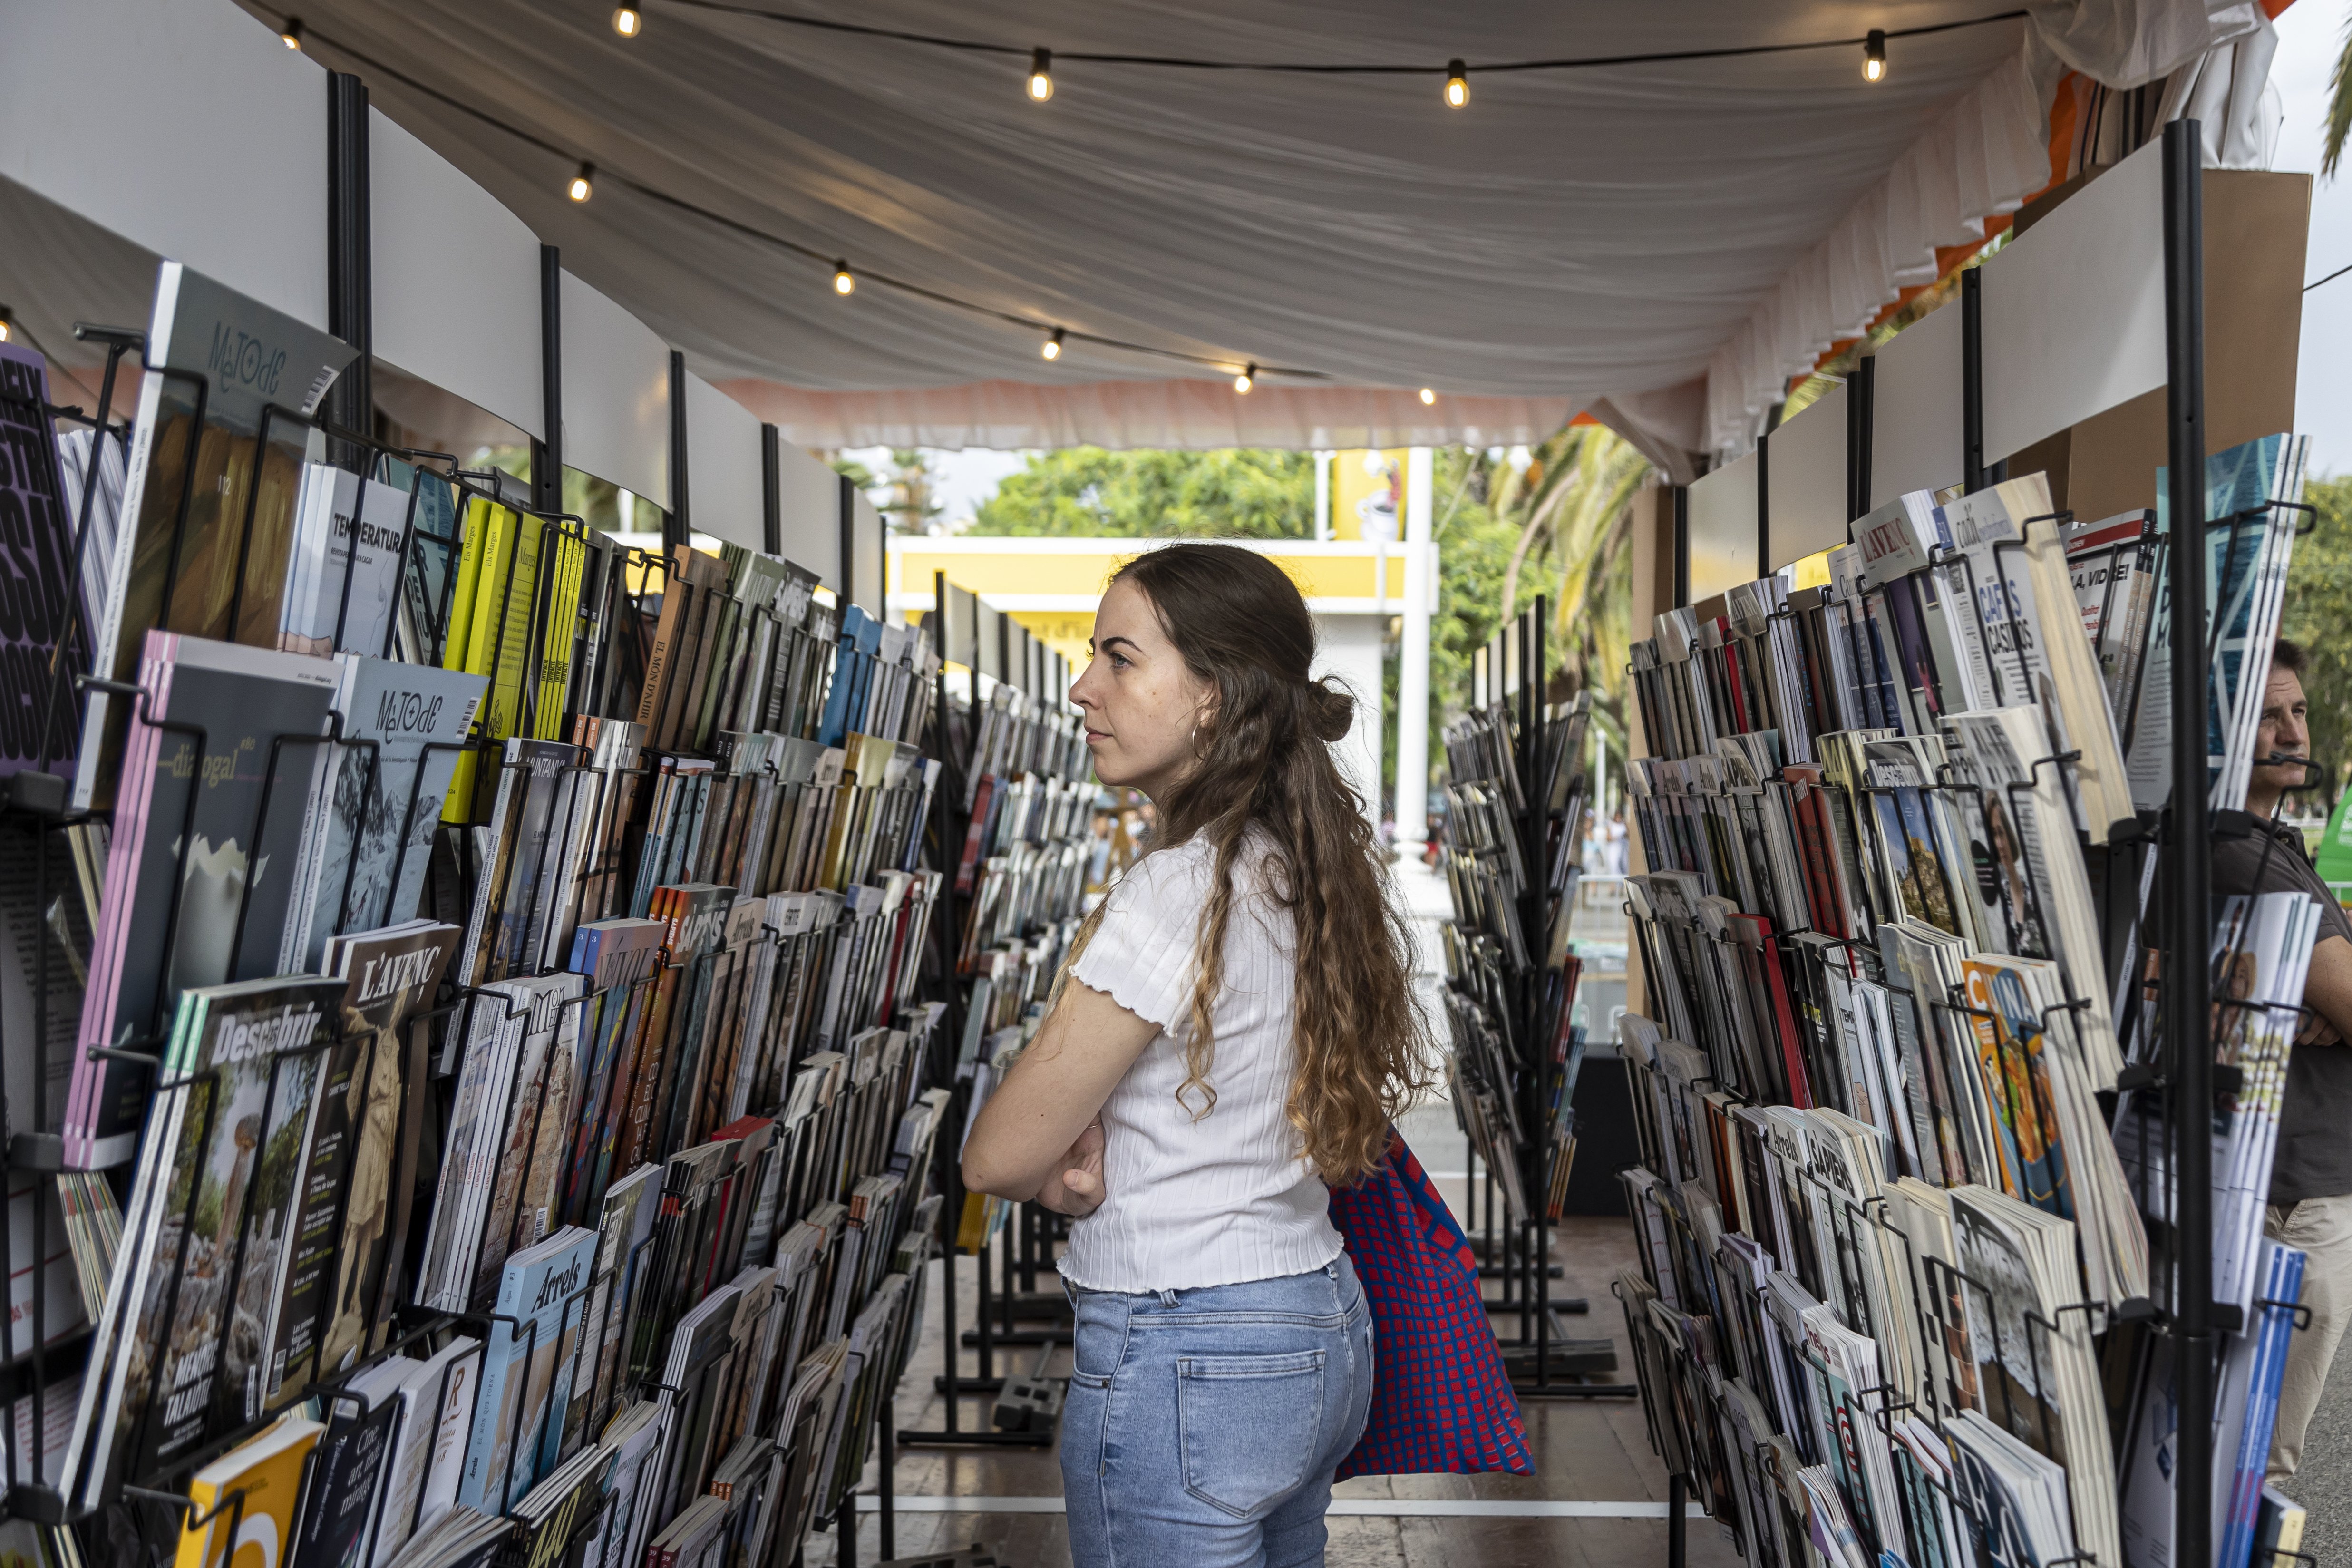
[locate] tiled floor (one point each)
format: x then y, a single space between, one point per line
1585 1451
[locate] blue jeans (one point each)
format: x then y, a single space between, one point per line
1202 1427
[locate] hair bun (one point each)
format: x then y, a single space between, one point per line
1331 711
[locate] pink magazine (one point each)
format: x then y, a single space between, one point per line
140 751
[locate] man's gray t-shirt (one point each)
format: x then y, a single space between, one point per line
2314 1145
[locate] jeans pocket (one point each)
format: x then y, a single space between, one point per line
1248 1427
1097 1344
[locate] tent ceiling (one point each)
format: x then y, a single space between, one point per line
1569 237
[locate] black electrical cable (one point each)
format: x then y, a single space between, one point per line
826 259
1293 68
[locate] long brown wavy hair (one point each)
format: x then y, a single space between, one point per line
1264 760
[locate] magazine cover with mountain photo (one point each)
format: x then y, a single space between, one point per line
385 798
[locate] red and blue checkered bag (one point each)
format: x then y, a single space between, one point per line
1441 1398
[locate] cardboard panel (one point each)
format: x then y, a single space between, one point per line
616 394
2073 308
463 316
1914 408
1723 529
809 509
2253 325
869 548
1805 477
723 465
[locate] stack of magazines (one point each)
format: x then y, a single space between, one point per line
1905 1200
484 991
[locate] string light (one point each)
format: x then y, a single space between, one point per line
1052 347
1041 75
7 325
293 32
1248 379
844 281
1428 396
626 22
583 183
1873 57
1457 88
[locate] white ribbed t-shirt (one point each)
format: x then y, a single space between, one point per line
1231 1197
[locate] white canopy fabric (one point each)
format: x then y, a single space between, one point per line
1673 239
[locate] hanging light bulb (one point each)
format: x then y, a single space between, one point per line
626 22
1428 396
1874 56
1248 379
1052 347
293 32
7 325
1041 75
1458 84
583 183
843 281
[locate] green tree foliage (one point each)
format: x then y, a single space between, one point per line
2319 616
1088 492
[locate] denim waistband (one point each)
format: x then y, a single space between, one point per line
1332 1289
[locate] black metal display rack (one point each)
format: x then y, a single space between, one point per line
2182 1078
35 806
1509 1007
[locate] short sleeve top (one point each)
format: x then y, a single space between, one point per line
1229 1196
2314 1135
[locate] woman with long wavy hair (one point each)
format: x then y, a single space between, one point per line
1234 1029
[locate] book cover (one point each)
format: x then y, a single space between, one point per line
216 360
351 1153
526 1375
269 1472
386 798
537 1110
347 1472
189 1371
346 563
39 549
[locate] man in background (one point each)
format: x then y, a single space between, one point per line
2311 1182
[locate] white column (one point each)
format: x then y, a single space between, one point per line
1349 648
1323 494
1413 658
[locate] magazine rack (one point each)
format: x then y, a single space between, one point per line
1512 871
962 822
610 614
2170 1065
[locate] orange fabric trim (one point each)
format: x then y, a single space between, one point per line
2065 114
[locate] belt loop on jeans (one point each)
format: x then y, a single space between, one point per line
1167 1298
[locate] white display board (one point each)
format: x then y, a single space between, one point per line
723 484
1723 529
184 126
2073 308
616 394
1914 408
454 279
869 566
1804 470
809 512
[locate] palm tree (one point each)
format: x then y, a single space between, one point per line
1573 505
2339 105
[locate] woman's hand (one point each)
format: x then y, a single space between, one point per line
1077 1189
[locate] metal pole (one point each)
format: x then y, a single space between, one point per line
547 452
2191 1057
351 402
1972 474
1677 1521
1413 664
678 532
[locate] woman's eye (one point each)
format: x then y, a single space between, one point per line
1119 661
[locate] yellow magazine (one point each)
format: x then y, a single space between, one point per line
268 1472
571 554
497 631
